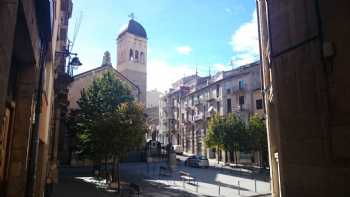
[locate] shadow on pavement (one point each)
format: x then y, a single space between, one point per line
78 182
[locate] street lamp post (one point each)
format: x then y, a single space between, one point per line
72 63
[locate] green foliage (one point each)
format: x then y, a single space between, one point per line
231 134
258 133
215 135
226 132
129 133
99 123
258 137
235 137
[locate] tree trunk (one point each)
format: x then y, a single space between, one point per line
113 169
234 155
118 169
106 168
217 154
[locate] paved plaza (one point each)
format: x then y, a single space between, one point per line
212 181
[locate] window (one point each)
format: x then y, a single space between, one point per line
229 107
136 56
142 58
241 84
218 106
131 55
192 100
259 104
241 100
217 90
228 91
182 116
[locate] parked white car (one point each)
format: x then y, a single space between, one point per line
197 161
178 149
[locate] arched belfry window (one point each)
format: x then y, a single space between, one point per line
136 56
131 55
142 58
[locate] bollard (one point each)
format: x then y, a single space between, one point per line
239 189
219 188
255 185
154 169
147 169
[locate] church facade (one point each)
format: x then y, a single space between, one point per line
131 65
131 69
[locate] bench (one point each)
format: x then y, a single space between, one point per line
135 188
186 177
113 185
164 171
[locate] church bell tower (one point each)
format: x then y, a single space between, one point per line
132 55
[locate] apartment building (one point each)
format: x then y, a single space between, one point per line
187 107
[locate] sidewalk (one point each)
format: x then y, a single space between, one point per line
75 182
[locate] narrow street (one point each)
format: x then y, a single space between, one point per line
78 181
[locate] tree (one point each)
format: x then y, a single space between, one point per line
235 136
124 130
215 135
96 105
258 138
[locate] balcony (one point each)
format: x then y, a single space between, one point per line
198 117
188 106
238 89
210 97
197 102
208 114
238 108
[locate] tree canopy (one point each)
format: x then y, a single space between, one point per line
230 133
108 122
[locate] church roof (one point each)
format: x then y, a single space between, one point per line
102 68
134 28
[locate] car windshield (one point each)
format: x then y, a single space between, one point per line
202 157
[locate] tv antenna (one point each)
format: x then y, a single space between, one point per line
76 29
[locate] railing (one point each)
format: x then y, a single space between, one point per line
198 117
208 114
210 97
239 88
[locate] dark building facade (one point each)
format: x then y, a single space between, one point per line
29 39
304 51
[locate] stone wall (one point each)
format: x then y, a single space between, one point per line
304 47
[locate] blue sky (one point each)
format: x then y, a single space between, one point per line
182 34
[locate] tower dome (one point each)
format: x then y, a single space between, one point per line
134 28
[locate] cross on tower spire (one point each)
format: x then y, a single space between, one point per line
132 16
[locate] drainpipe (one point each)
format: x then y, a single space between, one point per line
33 158
260 55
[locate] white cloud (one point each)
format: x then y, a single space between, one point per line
245 42
219 67
184 50
160 74
122 28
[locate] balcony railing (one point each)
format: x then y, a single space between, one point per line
210 97
239 88
208 114
198 117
